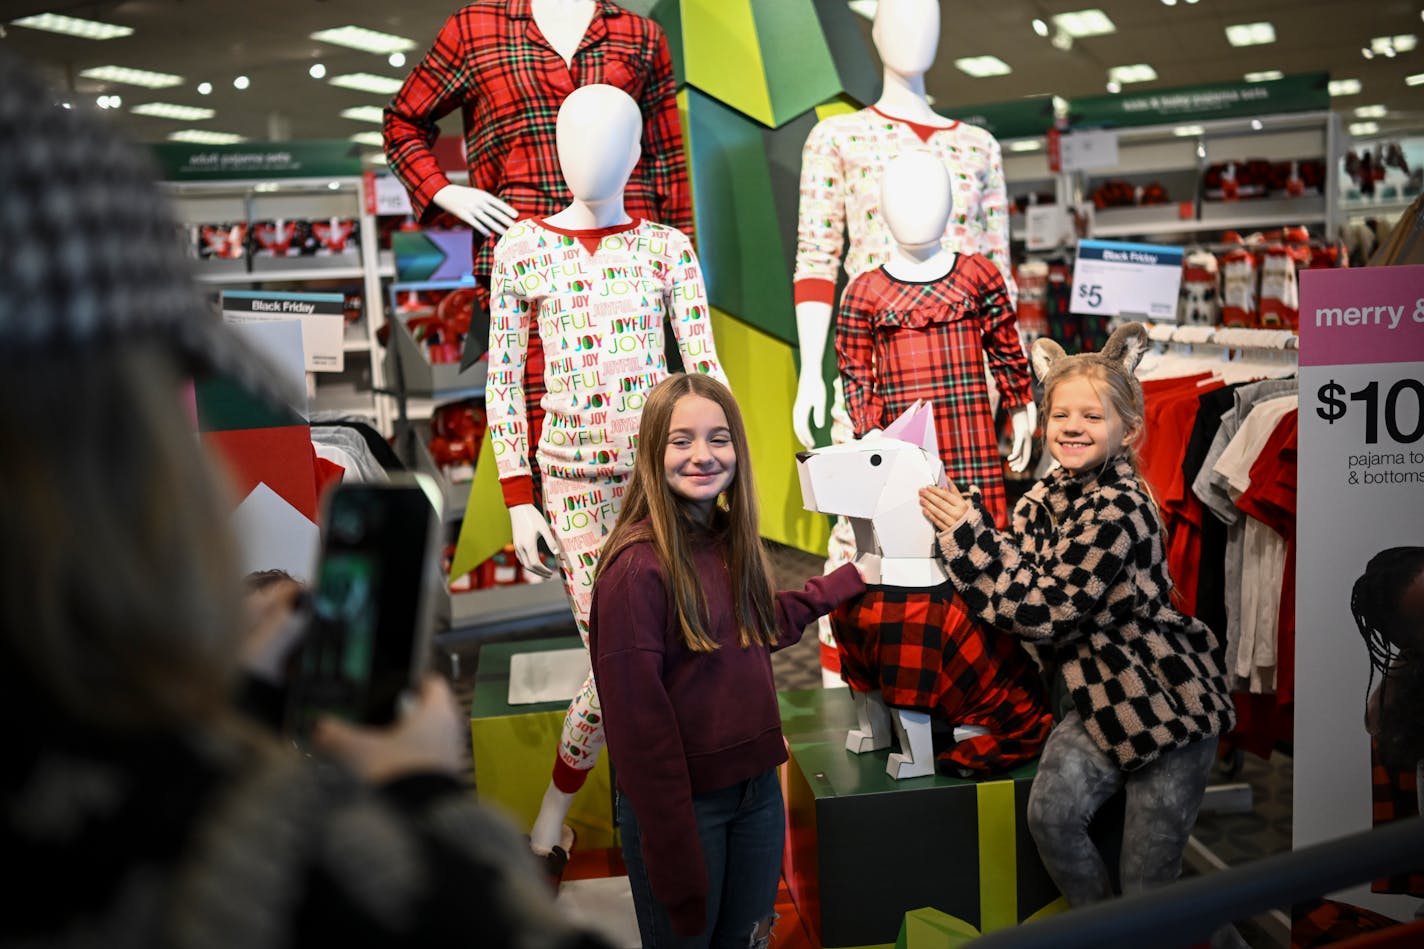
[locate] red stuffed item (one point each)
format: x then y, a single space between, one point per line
1238 288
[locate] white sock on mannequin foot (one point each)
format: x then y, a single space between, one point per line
548 831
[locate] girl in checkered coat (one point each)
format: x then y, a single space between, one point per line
1082 573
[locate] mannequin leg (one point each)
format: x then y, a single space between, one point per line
581 513
916 755
872 731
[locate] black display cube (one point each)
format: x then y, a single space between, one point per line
865 848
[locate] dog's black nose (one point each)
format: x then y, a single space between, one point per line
803 456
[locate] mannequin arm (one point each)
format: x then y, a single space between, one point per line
813 325
529 528
479 209
1025 420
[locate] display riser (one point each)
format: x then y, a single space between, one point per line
865 849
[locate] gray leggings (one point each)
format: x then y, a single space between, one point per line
1075 778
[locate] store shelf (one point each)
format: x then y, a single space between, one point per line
443 382
1215 216
520 604
280 275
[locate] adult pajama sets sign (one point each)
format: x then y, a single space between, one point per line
1361 471
598 301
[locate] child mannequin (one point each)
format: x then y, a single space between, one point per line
1082 571
598 288
681 631
921 327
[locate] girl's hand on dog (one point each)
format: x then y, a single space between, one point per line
945 507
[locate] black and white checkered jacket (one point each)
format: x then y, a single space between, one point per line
1084 573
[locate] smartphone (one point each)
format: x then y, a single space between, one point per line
369 637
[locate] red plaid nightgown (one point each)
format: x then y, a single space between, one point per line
897 342
918 646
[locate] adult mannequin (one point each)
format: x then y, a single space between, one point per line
906 35
563 24
597 286
506 65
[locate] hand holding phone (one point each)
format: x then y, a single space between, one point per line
429 736
368 641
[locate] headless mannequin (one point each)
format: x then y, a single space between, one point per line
598 137
563 23
906 35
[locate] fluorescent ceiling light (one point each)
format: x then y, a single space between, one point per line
1025 145
1082 23
1138 72
1364 128
375 158
1415 80
170 110
317 71
1345 87
1188 131
369 138
1405 42
205 88
1371 112
397 60
368 41
1266 76
241 82
133 77
364 113
1250 34
205 137
1061 41
73 26
981 66
367 82
1169 3
1040 27
865 8
1114 86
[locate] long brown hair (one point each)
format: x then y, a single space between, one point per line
651 512
119 593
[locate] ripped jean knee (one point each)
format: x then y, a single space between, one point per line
761 932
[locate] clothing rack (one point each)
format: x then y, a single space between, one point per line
1275 351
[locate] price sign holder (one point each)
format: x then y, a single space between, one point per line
321 316
1360 493
1111 278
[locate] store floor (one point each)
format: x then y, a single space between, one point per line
1231 838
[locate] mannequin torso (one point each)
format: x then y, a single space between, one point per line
563 23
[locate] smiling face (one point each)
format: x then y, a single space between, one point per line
1083 429
700 460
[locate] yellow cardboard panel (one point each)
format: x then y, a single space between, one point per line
762 371
722 55
514 757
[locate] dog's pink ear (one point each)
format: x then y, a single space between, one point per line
907 426
929 440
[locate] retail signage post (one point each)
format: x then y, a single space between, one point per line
320 314
1361 491
1111 278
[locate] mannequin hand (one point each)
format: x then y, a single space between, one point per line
943 507
479 209
1025 420
529 528
430 735
810 405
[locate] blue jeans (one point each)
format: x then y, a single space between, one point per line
743 830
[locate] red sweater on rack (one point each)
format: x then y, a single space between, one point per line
681 723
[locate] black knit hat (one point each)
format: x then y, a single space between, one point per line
89 252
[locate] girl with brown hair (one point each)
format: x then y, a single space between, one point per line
682 629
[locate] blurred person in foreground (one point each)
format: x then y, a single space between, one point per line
138 805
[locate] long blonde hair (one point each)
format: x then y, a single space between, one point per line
651 512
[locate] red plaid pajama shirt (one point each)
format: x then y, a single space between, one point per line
919 647
897 342
491 62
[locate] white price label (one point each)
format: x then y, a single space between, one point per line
1084 151
1113 279
1045 227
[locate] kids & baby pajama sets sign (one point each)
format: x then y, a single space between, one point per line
598 300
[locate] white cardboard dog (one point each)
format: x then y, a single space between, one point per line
875 482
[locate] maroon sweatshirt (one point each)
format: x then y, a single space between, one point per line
681 723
